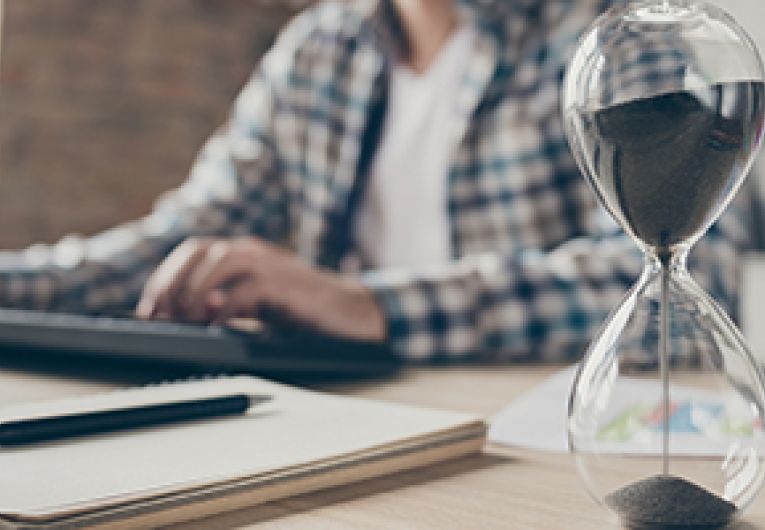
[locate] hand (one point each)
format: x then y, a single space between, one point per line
206 280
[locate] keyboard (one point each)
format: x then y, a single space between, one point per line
272 353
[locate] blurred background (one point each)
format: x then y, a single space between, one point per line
103 104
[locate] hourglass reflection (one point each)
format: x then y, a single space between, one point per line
663 107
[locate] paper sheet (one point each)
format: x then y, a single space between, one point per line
700 422
536 419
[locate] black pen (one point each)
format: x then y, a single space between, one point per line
50 428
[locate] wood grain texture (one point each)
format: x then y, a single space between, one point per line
502 488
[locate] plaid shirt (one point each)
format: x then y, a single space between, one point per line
535 268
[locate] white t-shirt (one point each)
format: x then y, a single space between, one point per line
403 220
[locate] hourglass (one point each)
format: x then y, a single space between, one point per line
663 106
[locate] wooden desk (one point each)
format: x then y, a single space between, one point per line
503 488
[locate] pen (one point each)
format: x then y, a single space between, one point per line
49 428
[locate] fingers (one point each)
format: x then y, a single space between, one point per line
224 264
203 281
159 297
243 299
194 279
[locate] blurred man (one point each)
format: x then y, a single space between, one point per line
394 171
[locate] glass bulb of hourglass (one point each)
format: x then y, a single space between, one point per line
664 104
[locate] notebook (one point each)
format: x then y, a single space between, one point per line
299 441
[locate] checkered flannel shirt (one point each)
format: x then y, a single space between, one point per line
535 271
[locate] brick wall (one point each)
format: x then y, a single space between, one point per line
103 103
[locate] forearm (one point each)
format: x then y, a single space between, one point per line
530 305
98 275
547 305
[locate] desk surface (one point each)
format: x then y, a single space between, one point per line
503 488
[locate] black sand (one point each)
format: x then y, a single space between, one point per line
665 500
665 162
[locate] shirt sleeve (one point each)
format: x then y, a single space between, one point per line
535 305
232 189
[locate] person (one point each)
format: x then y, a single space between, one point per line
395 170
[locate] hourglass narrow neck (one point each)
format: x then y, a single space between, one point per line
675 261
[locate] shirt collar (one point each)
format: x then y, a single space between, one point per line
478 13
487 10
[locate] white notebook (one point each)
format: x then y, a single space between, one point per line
298 442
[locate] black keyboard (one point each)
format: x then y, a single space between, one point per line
272 353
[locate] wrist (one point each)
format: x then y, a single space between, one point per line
371 322
332 304
357 313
